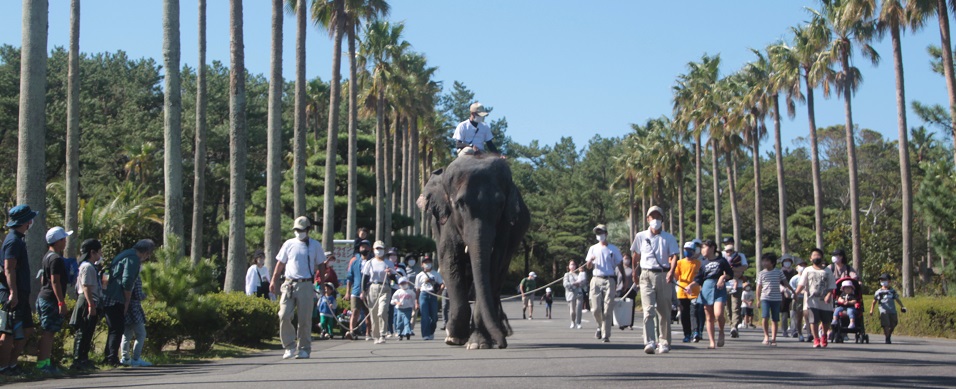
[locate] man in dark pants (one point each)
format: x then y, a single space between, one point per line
15 289
89 292
123 274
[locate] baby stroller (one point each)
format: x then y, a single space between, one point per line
843 321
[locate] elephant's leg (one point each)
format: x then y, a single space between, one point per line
459 312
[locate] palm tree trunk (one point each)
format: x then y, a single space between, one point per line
332 142
732 185
781 186
236 256
351 222
73 131
273 233
945 43
199 150
299 142
643 209
631 206
414 178
698 186
173 132
815 167
396 158
680 204
31 145
403 170
380 231
758 206
851 158
716 174
907 182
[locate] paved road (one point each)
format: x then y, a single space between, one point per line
545 353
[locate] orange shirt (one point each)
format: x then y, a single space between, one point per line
685 272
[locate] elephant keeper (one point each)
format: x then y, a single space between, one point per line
297 261
375 273
656 251
474 132
604 258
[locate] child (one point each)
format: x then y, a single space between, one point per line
747 303
548 298
326 307
769 294
685 272
818 283
887 297
405 302
846 302
797 313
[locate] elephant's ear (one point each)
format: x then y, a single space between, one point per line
434 199
513 205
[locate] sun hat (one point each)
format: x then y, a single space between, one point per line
378 245
479 109
655 209
301 223
21 214
57 234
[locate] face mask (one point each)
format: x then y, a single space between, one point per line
301 235
602 238
379 253
427 266
799 269
817 261
404 286
728 248
786 265
835 259
656 224
479 119
411 262
393 258
884 283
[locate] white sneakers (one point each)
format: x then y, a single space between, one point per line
380 340
663 349
649 347
302 355
654 348
572 325
578 326
289 354
135 362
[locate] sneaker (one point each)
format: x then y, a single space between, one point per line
597 335
380 340
572 326
696 337
888 341
50 369
15 370
801 339
578 326
368 338
125 362
816 342
687 339
733 333
663 349
302 355
649 348
797 335
606 340
145 363
823 342
289 354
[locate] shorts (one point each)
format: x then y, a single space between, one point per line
527 301
770 310
49 313
889 320
797 305
358 305
710 293
747 311
821 316
21 317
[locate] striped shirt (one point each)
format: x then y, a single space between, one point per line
768 281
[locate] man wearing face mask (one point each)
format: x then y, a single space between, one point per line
657 252
738 261
354 289
474 133
428 283
839 267
605 260
297 261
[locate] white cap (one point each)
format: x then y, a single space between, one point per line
689 245
846 284
378 245
478 108
547 290
403 280
655 209
57 234
301 223
532 275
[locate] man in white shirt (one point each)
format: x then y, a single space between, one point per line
297 261
656 251
474 133
604 259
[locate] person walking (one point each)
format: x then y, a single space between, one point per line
887 298
124 271
798 311
770 282
574 283
297 261
625 286
51 302
839 267
376 272
527 287
788 271
326 274
604 259
739 263
657 252
135 323
89 291
354 286
686 272
818 283
257 276
428 283
15 289
714 272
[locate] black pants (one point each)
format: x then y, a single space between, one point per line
691 316
85 325
116 320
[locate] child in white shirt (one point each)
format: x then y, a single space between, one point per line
406 302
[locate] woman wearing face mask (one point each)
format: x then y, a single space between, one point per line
429 284
257 276
625 286
713 273
376 274
574 284
839 267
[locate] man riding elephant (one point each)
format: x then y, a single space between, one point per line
480 219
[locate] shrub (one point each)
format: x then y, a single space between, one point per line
161 326
925 316
247 320
202 323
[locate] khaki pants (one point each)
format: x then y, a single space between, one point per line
602 304
575 306
297 299
733 309
656 296
379 297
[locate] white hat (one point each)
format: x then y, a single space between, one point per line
479 109
547 290
689 245
328 253
653 209
532 275
56 234
403 280
846 284
301 223
378 245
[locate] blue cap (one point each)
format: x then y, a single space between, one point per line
20 215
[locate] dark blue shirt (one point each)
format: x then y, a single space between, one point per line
354 277
14 247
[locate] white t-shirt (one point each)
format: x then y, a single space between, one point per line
404 298
428 281
375 270
301 258
469 135
655 250
605 259
254 277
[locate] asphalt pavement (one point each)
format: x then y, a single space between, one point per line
546 353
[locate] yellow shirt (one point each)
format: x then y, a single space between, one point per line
685 272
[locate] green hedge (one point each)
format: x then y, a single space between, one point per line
925 316
213 318
248 320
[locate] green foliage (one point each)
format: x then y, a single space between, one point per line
161 327
247 320
925 316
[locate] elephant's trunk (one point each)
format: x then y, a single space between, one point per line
480 252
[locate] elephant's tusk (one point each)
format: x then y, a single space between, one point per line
466 249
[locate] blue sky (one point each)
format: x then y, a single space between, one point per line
556 68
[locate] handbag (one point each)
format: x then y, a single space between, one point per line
6 324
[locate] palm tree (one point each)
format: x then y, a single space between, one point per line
851 21
942 12
199 179
236 256
299 7
628 172
73 130
784 77
173 132
31 157
756 101
273 230
331 15
356 13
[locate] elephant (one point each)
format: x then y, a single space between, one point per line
480 220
